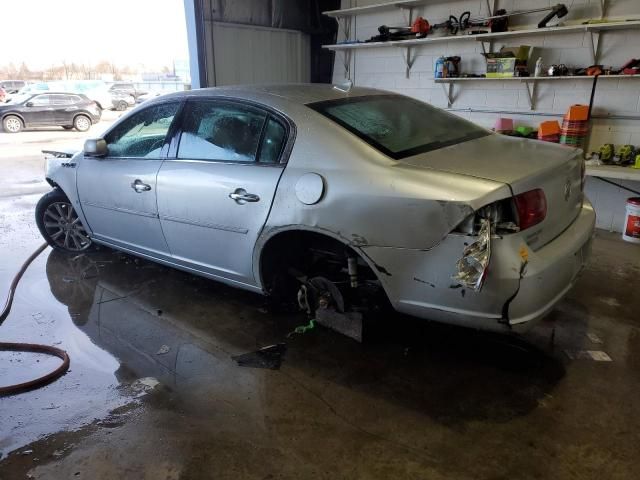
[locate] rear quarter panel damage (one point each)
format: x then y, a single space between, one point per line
370 199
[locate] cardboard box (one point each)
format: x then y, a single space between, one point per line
504 63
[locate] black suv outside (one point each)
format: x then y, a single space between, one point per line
68 110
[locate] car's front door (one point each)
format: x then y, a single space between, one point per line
39 111
118 192
215 195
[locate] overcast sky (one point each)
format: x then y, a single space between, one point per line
126 32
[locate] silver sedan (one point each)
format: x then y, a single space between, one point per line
344 200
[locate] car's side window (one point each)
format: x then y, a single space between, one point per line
220 131
41 101
272 142
143 134
59 100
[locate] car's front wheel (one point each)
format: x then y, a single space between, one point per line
59 223
121 106
82 123
12 124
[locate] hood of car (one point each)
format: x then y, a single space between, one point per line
496 157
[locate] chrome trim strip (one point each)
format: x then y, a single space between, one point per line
120 209
215 226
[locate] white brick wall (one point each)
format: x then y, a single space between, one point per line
385 68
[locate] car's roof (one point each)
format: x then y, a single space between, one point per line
301 93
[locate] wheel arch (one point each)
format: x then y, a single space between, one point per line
13 114
276 239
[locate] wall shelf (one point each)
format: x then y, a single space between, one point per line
348 12
485 37
594 31
611 171
530 83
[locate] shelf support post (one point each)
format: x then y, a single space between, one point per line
448 91
531 93
345 23
491 6
347 64
408 60
484 47
410 10
603 8
595 45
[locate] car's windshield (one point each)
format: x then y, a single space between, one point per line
399 126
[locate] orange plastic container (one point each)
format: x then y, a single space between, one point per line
577 113
552 127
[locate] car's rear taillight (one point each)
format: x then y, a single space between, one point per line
531 207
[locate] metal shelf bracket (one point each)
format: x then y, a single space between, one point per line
448 92
594 35
603 8
532 88
407 9
408 60
346 62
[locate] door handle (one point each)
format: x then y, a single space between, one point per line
241 196
140 187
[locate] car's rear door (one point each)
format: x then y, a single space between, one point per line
63 110
214 196
118 192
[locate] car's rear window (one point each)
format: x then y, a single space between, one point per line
399 126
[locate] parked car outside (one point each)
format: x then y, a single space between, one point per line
121 100
148 96
49 109
343 200
128 88
12 86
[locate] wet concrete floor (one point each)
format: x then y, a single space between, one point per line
153 391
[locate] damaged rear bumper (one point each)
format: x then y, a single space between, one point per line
419 282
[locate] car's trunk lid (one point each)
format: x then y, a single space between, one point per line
524 165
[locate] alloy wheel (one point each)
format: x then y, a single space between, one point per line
64 227
13 125
82 124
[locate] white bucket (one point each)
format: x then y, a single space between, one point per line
631 229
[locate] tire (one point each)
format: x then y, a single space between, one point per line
82 123
59 224
121 106
12 124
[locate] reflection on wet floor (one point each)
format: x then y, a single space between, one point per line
413 386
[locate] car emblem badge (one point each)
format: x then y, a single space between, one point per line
567 190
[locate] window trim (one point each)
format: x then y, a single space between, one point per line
318 107
285 121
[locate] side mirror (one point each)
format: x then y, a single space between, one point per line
96 147
29 104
